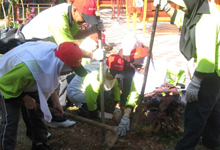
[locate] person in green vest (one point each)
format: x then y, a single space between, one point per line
85 92
29 75
199 19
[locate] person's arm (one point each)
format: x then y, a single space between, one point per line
13 82
115 92
56 104
81 34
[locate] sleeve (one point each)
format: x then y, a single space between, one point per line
92 85
115 92
178 18
206 49
12 82
62 32
132 97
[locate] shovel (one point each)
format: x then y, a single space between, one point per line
110 137
141 96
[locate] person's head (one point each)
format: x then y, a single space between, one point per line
115 66
71 55
84 11
129 42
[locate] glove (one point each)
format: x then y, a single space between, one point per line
164 5
124 125
96 27
117 114
193 89
99 54
107 115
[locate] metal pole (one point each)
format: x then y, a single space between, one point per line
141 96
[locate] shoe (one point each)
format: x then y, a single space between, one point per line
64 124
48 135
40 146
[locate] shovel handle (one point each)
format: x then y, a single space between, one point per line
141 96
81 119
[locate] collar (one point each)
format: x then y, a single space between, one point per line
70 15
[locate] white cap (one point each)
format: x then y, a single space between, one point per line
179 2
129 42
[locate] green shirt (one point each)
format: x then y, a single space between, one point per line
207 39
13 81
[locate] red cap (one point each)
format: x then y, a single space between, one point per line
115 64
88 9
138 54
71 54
95 37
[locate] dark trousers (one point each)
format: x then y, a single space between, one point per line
34 121
10 117
126 85
202 118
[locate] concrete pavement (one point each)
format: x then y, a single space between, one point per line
166 41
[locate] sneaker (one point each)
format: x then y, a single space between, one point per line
64 124
48 135
40 146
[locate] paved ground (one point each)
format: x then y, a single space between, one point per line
166 41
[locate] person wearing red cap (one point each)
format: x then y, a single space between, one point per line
84 92
29 74
137 60
61 23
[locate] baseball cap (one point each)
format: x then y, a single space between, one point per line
70 54
179 2
138 54
95 37
115 64
88 9
129 42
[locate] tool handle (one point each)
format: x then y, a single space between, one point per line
141 96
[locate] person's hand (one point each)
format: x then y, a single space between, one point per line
96 27
99 54
58 107
29 102
107 115
124 125
164 5
117 114
193 89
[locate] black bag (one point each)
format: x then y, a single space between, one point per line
5 47
8 33
10 38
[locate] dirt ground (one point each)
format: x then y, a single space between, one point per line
83 136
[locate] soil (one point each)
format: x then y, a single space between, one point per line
83 136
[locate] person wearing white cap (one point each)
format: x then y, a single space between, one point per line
199 18
29 74
129 42
138 58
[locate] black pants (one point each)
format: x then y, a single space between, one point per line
10 117
202 118
126 85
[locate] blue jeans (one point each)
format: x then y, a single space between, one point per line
202 118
